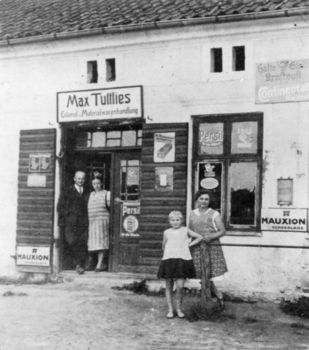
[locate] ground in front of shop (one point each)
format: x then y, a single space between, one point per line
86 313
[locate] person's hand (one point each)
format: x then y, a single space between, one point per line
207 239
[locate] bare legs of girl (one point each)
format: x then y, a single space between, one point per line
179 288
169 297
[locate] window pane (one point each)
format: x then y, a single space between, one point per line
98 139
114 135
244 137
113 143
210 178
243 177
83 139
211 138
129 138
130 180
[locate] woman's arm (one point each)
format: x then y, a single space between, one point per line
220 230
197 236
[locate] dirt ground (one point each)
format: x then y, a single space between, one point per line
83 315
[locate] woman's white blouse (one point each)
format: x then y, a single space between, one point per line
177 244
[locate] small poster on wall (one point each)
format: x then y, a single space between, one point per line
164 179
285 191
164 147
40 162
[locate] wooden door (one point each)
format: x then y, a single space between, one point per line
126 211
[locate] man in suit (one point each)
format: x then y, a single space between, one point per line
73 220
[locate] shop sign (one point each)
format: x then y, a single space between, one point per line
100 104
164 147
282 81
278 219
130 219
33 256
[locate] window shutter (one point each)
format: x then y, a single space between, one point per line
156 204
36 179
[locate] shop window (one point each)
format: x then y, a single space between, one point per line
92 72
228 163
115 138
216 61
110 69
238 58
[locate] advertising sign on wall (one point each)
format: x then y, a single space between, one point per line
278 219
100 104
164 147
34 256
130 219
282 81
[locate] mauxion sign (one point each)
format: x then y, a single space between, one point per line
277 219
115 103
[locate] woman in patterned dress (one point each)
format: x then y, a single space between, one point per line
208 223
98 214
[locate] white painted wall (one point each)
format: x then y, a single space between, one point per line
173 67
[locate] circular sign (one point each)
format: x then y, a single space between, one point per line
209 183
130 224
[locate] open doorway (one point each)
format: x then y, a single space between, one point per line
89 162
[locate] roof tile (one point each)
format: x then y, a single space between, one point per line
23 18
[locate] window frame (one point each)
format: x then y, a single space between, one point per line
227 158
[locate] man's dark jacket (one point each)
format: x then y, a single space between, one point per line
73 216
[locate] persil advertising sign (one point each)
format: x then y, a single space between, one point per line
282 81
100 104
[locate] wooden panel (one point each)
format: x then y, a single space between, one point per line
156 205
35 206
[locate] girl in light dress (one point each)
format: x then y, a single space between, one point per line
176 264
98 214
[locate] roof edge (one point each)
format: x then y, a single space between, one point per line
157 25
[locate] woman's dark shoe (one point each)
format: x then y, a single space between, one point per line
221 303
89 265
79 270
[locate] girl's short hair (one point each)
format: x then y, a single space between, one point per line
199 193
175 214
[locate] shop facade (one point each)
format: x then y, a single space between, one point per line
161 113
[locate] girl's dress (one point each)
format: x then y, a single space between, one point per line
98 214
177 260
204 224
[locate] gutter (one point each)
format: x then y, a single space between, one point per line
158 25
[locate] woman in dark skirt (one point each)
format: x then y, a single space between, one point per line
177 262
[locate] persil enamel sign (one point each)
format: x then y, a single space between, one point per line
100 104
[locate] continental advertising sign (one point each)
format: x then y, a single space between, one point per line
282 81
277 219
100 104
